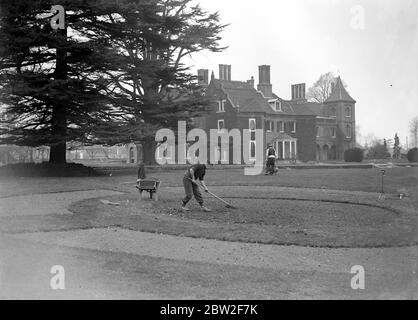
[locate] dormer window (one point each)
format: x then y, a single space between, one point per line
276 105
221 105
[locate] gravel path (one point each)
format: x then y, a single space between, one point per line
233 253
402 263
198 250
47 203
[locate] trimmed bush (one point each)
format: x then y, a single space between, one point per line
378 151
46 169
353 155
413 155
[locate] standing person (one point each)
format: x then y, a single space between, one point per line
141 172
194 175
271 159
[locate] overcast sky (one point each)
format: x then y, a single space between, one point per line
372 45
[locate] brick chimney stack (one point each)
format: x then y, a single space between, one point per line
203 77
225 72
251 82
264 84
299 91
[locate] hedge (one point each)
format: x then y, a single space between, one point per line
353 155
413 155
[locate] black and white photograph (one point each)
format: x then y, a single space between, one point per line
227 151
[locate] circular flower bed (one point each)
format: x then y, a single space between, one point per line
326 222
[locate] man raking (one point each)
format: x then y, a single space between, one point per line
194 175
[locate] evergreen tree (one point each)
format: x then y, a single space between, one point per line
115 74
52 81
154 88
396 148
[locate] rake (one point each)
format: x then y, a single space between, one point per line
228 205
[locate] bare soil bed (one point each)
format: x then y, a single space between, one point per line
311 218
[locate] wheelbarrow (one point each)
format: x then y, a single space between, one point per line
150 185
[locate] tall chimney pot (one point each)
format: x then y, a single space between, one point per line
203 77
225 72
264 84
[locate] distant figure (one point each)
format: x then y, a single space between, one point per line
271 160
141 172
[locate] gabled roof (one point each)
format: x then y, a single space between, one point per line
315 107
339 93
306 108
247 99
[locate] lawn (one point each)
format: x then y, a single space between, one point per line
368 180
315 207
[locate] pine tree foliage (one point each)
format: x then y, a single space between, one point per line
115 74
154 86
51 80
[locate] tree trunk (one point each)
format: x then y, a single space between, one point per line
58 153
59 110
148 152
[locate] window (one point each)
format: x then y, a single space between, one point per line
251 124
221 105
348 112
268 125
294 127
318 132
278 106
221 125
252 128
348 131
252 150
281 126
288 127
333 132
333 112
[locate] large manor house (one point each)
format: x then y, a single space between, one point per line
298 129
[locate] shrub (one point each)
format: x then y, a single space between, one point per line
413 155
378 151
353 155
46 169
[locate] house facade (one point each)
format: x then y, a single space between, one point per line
298 129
